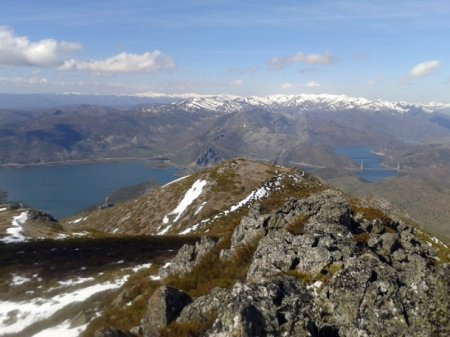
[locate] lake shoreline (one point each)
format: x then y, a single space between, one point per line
154 163
64 190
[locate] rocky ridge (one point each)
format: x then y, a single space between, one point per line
268 251
314 264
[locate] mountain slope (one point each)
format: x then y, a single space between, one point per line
234 126
267 250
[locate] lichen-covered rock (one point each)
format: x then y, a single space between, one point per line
164 306
187 257
253 226
329 206
280 252
280 307
200 309
365 299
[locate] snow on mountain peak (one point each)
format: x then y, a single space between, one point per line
299 102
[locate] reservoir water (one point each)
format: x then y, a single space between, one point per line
374 170
66 189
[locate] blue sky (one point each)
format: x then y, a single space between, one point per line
395 50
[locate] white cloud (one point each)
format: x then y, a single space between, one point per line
312 84
148 62
20 51
287 86
423 69
237 83
278 63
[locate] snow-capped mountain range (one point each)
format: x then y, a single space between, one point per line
300 102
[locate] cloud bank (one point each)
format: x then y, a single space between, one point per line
20 51
278 63
148 62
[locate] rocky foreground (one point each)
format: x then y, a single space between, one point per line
318 265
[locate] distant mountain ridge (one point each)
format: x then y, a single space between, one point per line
279 128
302 102
220 102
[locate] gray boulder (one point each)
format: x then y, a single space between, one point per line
280 307
187 257
164 306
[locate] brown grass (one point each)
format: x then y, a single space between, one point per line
297 225
361 238
189 329
370 213
291 190
213 272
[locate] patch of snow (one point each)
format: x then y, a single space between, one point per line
191 194
76 281
164 230
190 229
257 194
175 181
78 234
79 220
62 236
25 313
155 277
167 264
18 280
15 232
63 329
189 197
3 209
141 267
115 230
200 208
439 242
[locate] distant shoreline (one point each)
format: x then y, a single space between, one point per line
155 163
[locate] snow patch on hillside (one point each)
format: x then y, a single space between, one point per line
190 196
16 316
64 329
15 231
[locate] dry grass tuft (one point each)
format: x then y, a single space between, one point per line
189 329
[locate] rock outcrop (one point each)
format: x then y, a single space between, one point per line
321 267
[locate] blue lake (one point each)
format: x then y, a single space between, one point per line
374 170
66 189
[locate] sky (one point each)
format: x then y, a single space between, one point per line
394 50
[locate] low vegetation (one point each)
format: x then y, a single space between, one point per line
189 329
291 190
222 273
297 225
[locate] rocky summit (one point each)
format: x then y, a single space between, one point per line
321 264
274 253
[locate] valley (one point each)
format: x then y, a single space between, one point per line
301 131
